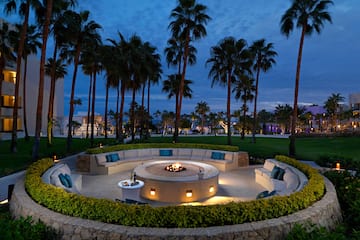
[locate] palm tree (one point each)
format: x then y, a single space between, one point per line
5 50
82 31
60 72
229 58
283 116
332 106
24 10
45 33
243 89
189 23
172 87
263 60
309 16
202 108
31 45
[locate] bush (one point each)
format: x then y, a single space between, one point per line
24 228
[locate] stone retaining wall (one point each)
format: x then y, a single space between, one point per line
325 212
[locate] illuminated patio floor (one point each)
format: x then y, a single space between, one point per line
235 185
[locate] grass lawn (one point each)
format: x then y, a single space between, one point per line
307 148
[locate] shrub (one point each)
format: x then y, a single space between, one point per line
172 216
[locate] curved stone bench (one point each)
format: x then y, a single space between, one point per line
114 162
292 179
326 213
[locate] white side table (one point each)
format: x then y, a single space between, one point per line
130 190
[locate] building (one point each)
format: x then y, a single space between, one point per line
7 98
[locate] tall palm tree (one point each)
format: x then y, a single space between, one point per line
202 108
5 50
244 89
24 10
60 72
172 87
229 58
308 16
82 31
47 9
189 23
31 45
332 106
263 60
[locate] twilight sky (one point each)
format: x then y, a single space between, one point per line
330 60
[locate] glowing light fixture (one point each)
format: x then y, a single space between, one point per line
100 145
55 159
337 166
152 191
188 193
211 189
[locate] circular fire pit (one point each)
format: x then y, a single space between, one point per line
177 181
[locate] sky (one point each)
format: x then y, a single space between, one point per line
330 61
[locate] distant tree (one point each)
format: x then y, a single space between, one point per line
309 16
189 20
230 58
283 116
332 105
202 108
263 60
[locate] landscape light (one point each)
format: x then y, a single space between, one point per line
189 193
152 191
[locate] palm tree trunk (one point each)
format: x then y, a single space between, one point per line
255 103
71 111
292 150
244 122
142 121
93 109
228 110
121 137
148 111
117 129
181 90
106 108
24 100
35 152
132 116
51 97
88 112
13 147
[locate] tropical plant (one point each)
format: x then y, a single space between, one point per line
82 30
283 116
230 58
202 108
244 88
332 105
308 16
188 24
172 87
263 60
60 72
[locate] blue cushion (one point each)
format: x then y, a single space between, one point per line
63 180
280 176
115 157
108 158
167 152
68 179
263 194
275 172
218 155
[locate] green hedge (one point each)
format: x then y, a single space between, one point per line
109 211
121 147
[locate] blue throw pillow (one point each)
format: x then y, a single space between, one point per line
63 180
68 179
280 176
218 155
164 152
115 157
263 194
108 158
275 172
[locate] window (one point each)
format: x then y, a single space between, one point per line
8 124
9 101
